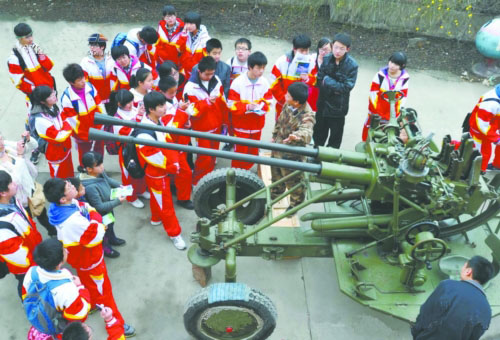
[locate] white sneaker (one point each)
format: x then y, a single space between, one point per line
155 223
178 242
146 195
137 204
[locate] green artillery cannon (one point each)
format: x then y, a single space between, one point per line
397 212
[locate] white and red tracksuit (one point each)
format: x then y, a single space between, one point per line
192 49
138 184
283 74
484 124
237 68
160 163
120 78
80 229
378 105
206 117
167 47
17 251
80 116
177 118
138 98
246 124
37 70
57 133
94 75
143 52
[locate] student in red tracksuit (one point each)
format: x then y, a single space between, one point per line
207 109
392 77
296 65
80 102
177 117
97 66
70 298
484 127
160 164
80 229
50 126
192 44
33 67
249 102
18 233
122 107
125 66
170 30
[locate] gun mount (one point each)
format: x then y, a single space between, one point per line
393 207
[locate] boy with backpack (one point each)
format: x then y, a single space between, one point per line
52 296
80 102
158 164
249 101
140 43
81 231
170 30
18 233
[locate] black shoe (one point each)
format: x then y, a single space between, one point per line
228 147
117 242
186 204
492 167
129 331
34 157
111 253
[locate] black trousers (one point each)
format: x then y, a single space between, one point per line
325 125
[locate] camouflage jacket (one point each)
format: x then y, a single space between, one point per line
298 122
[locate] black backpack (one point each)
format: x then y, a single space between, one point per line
130 157
42 143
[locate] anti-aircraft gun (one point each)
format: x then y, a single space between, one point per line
393 208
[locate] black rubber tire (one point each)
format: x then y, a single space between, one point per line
198 309
210 193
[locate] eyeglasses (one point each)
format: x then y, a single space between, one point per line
241 49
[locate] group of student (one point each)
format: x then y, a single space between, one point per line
171 76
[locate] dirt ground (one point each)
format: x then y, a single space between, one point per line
266 21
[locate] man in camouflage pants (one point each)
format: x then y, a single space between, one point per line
294 127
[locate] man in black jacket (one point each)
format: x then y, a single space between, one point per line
457 309
336 78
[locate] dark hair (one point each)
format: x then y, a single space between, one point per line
213 43
149 35
75 181
257 58
322 42
299 92
118 51
343 38
89 160
243 41
53 189
169 9
482 269
207 63
139 77
98 39
166 83
117 99
5 180
40 94
152 100
49 254
301 41
399 58
75 331
165 69
72 72
22 29
193 18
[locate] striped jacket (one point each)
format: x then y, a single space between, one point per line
16 249
485 118
56 132
381 83
244 92
167 47
93 74
178 118
120 79
79 115
36 73
192 51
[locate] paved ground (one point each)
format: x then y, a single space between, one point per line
152 281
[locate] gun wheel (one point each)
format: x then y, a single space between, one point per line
209 195
230 311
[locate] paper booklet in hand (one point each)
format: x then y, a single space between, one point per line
121 191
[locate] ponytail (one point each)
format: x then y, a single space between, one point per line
139 77
117 99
